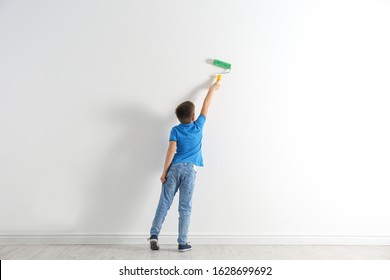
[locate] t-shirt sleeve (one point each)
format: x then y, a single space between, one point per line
173 135
200 120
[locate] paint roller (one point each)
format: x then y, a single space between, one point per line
224 65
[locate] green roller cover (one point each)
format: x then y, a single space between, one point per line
221 64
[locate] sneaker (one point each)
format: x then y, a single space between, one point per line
153 240
185 247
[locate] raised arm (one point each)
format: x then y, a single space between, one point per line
209 97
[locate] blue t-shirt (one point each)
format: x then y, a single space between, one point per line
188 138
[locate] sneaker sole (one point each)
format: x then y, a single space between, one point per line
184 250
154 245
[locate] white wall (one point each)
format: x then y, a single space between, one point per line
296 143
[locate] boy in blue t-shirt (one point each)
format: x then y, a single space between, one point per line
179 173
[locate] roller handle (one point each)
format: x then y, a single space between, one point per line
219 77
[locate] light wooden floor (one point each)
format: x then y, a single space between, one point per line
199 252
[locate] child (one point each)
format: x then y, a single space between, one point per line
183 155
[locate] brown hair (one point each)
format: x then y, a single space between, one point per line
185 111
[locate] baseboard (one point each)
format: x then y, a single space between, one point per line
195 239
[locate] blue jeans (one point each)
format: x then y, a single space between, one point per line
181 176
